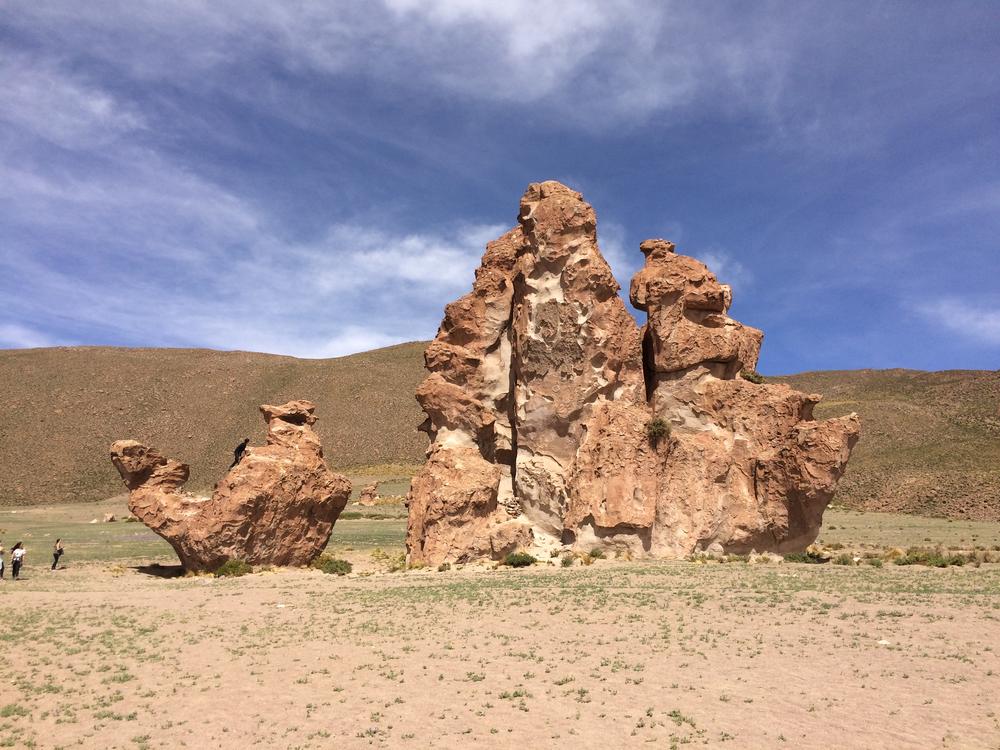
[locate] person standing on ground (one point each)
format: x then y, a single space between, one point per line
238 453
16 560
1 560
57 552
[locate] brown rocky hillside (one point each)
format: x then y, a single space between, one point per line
930 441
65 406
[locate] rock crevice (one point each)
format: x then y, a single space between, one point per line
541 393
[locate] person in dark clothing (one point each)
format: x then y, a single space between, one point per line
57 552
238 453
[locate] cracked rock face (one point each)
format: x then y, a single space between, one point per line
542 390
276 507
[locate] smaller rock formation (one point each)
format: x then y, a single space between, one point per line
276 507
110 518
369 496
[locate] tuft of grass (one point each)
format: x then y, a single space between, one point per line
656 430
753 376
843 559
935 558
566 561
332 565
443 567
597 553
393 562
519 560
809 556
232 569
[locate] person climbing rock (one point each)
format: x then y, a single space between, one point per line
238 453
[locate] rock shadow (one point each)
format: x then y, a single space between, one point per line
160 571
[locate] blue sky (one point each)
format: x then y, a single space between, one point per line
319 178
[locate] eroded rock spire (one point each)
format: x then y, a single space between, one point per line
542 392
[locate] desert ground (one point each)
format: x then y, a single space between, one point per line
115 650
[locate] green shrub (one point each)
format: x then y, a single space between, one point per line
519 560
566 561
232 569
843 559
935 558
332 565
393 562
443 567
597 553
753 376
805 557
656 430
875 562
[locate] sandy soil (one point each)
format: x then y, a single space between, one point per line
616 654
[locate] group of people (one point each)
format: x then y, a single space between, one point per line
17 554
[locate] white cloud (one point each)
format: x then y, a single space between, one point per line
592 64
167 256
46 102
977 322
727 269
175 260
351 339
15 336
612 241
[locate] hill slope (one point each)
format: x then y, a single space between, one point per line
64 408
930 442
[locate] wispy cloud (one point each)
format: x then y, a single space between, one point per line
966 318
312 177
45 102
591 64
15 336
727 269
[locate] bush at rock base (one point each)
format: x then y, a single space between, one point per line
332 565
232 569
806 557
519 560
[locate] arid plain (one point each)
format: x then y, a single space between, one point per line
115 651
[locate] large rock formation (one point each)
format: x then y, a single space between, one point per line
277 506
556 421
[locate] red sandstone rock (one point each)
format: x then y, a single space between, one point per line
277 506
542 388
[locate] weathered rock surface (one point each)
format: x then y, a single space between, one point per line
277 506
369 496
542 390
